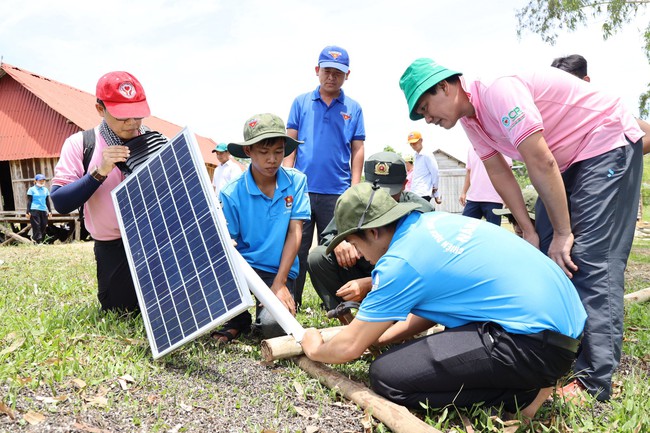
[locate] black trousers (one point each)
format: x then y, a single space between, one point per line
327 276
322 212
475 363
38 220
114 282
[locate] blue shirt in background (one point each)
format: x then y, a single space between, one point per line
328 132
39 197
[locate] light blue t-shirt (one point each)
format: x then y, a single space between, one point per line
454 270
39 197
258 223
328 132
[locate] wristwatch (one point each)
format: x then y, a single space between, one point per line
98 177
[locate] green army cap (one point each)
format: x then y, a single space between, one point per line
420 76
530 198
364 206
260 127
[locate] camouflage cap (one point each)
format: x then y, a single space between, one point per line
260 127
530 198
364 206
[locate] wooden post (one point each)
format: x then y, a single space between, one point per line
398 418
642 295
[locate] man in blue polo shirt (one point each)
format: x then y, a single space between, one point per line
331 126
513 319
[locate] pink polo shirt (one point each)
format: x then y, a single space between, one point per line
99 212
480 186
579 122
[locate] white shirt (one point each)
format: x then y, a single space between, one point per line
425 174
223 174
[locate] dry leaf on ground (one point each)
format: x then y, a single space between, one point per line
34 417
7 410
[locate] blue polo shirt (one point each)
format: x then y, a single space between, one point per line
472 271
328 132
39 197
258 223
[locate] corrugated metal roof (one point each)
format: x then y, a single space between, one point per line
37 114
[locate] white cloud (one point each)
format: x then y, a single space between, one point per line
211 64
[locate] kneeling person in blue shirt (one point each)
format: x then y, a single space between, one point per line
265 209
513 319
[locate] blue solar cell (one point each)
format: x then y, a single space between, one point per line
185 281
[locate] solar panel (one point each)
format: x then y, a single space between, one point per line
178 247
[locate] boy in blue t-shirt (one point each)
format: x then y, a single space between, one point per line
38 208
265 208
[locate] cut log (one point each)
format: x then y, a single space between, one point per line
639 296
398 418
14 237
287 347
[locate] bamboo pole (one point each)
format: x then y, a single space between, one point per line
639 296
398 418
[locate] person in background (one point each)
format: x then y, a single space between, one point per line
530 198
504 343
478 196
424 181
331 125
583 152
122 104
408 159
343 275
38 208
228 169
265 209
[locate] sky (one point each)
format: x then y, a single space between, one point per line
212 64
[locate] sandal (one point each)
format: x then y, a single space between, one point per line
225 335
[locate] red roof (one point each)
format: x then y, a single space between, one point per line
37 114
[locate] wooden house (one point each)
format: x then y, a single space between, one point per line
37 114
451 171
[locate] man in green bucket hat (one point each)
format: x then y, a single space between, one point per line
583 152
505 342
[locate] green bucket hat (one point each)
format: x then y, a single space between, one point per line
260 127
419 77
364 206
530 198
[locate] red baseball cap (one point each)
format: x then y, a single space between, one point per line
123 95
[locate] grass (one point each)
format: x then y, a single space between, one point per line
55 344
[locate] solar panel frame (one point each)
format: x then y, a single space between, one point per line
178 247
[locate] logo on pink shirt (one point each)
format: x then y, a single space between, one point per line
513 117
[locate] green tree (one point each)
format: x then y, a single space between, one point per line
389 148
547 17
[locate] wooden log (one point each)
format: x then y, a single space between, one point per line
398 418
287 346
15 237
639 296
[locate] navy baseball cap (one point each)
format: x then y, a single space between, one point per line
334 57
